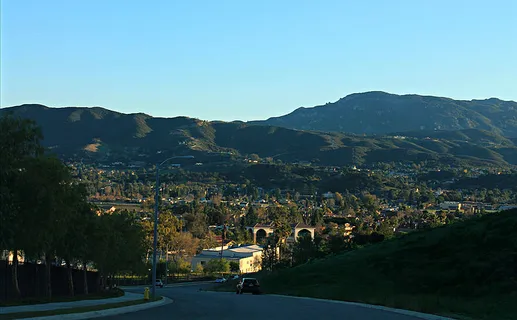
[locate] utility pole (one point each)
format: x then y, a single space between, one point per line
155 238
223 236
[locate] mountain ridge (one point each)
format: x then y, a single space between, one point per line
100 133
378 112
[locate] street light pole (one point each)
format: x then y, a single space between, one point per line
155 240
156 206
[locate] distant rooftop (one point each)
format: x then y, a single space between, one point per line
301 225
236 252
243 249
293 225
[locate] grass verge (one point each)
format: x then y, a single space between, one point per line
19 315
113 293
465 271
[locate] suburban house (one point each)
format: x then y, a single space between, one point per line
226 243
248 257
450 205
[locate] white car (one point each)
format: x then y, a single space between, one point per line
220 280
159 283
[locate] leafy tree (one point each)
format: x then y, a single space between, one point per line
303 250
199 268
79 216
335 243
251 217
47 214
386 228
119 244
234 266
20 140
209 241
217 266
317 218
282 230
270 257
339 199
196 224
44 187
183 245
180 265
148 230
86 251
278 194
215 216
370 202
295 215
168 229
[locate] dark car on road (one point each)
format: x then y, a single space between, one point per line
250 285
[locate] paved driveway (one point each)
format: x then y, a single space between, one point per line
189 302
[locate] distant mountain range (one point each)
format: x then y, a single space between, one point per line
104 135
382 113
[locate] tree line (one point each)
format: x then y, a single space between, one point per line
45 215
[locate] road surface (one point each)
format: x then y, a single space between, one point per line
190 302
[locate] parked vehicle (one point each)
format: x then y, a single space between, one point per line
250 285
220 280
159 283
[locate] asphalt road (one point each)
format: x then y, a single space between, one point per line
190 302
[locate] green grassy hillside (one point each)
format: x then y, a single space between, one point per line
467 269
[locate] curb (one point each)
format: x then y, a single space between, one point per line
170 285
424 316
108 312
128 296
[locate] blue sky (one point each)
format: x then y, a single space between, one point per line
248 60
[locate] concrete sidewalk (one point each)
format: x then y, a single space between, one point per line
128 296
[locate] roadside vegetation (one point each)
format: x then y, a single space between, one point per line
45 218
466 269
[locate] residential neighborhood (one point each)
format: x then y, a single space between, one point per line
248 160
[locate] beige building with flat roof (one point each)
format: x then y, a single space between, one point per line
248 257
